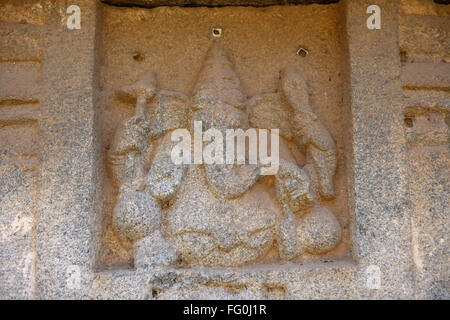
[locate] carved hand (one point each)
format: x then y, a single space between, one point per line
292 185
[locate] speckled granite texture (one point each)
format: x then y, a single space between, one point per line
92 208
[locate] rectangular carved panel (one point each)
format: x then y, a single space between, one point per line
281 68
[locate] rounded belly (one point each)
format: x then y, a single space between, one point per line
212 231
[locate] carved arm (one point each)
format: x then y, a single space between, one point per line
310 132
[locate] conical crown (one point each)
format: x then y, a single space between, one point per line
218 82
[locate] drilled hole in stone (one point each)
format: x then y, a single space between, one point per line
217 32
138 56
302 52
409 122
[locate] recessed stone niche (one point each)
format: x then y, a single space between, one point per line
238 67
91 207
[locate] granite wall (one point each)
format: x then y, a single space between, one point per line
382 94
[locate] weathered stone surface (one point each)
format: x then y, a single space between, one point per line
217 217
381 218
23 12
20 85
428 169
20 88
19 43
319 231
427 135
154 251
18 189
93 207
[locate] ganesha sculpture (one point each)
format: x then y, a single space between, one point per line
221 215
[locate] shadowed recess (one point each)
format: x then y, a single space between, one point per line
213 3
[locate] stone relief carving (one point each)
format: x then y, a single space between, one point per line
221 215
427 127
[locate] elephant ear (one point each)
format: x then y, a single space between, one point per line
172 112
310 132
164 179
147 84
269 111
